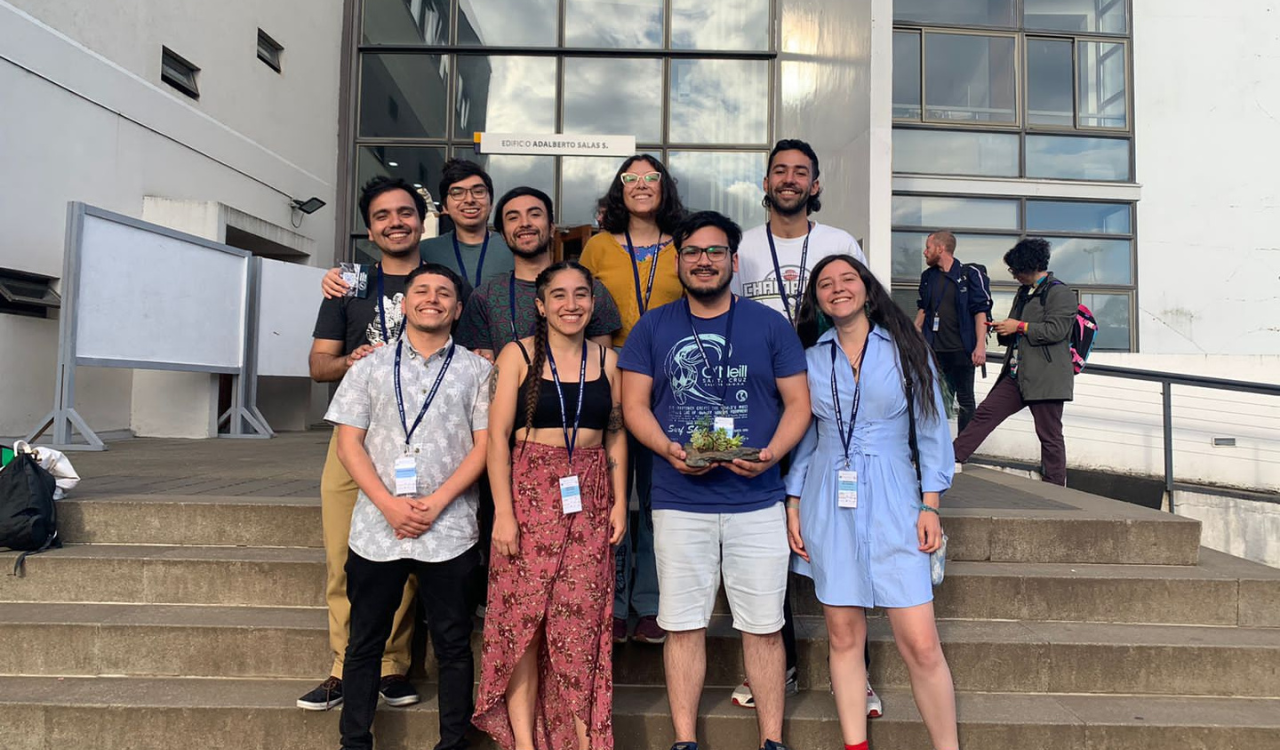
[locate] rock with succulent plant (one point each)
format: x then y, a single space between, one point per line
710 444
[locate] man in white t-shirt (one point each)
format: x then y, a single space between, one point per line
787 247
790 243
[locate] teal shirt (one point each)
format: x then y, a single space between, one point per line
498 260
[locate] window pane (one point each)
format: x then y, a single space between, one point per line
419 166
364 251
509 171
950 213
944 152
969 78
583 180
908 256
905 297
723 24
1103 103
719 101
403 95
985 249
1091 261
406 22
505 95
613 96
1071 158
958 12
727 182
1001 308
1050 97
503 23
1071 216
906 75
1112 313
1106 16
620 24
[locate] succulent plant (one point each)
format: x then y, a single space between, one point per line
707 438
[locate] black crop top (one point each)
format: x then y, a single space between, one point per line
597 402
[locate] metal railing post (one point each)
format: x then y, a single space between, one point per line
1166 391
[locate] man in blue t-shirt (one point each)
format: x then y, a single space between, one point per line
716 360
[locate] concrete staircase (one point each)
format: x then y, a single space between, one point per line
1069 621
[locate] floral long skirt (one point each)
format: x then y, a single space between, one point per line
561 580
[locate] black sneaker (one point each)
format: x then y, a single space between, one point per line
325 696
396 690
685 746
771 745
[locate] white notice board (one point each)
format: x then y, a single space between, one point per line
287 303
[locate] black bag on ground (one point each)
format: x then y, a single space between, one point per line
28 516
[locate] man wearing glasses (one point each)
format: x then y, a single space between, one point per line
471 250
715 360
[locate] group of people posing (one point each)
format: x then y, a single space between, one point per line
497 409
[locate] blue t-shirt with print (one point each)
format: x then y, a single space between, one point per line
688 382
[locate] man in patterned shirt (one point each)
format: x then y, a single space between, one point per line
412 420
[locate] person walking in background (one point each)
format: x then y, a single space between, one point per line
1037 371
857 519
636 261
954 306
546 677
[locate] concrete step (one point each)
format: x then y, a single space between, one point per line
169 640
40 713
986 519
1221 591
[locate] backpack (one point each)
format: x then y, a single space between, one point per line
1082 333
986 283
28 516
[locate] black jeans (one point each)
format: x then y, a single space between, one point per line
446 592
957 368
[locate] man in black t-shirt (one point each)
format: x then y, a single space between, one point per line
955 305
347 329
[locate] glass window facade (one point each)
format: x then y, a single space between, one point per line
692 81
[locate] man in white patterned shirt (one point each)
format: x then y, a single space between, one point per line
412 421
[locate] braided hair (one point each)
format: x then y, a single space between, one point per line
533 379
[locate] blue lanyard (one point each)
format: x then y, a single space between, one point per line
570 440
728 346
462 267
777 271
846 436
404 422
642 299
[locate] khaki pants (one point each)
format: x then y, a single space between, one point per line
337 501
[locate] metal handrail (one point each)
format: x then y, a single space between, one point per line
1167 380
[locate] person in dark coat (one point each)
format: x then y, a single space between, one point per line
1037 370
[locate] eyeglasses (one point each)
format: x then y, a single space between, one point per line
479 192
631 178
714 253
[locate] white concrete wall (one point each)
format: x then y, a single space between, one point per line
1240 527
86 118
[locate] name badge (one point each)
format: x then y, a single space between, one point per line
356 278
848 488
406 476
724 423
937 321
570 495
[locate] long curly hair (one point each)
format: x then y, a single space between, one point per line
670 209
915 358
533 379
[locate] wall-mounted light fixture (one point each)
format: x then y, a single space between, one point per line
309 206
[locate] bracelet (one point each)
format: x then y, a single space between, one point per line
928 508
1022 327
793 504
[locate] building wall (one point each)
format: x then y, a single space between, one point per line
93 123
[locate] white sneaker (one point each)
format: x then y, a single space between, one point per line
959 468
742 694
875 708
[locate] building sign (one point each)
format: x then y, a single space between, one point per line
555 144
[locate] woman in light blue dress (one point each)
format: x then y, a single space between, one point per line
856 517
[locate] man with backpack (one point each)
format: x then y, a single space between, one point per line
954 307
1038 370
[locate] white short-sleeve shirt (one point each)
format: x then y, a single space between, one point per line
756 277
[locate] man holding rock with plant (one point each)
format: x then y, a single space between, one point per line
716 385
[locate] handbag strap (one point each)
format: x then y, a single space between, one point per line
911 430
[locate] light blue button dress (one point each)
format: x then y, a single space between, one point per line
866 556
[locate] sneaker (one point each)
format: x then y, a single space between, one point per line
875 708
959 468
742 695
685 746
396 690
619 630
771 745
325 696
649 631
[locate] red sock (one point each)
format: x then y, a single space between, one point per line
860 746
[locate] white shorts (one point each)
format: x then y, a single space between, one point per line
693 550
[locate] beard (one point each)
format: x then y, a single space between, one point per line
802 205
707 294
542 249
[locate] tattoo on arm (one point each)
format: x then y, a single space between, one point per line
493 383
612 463
615 419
